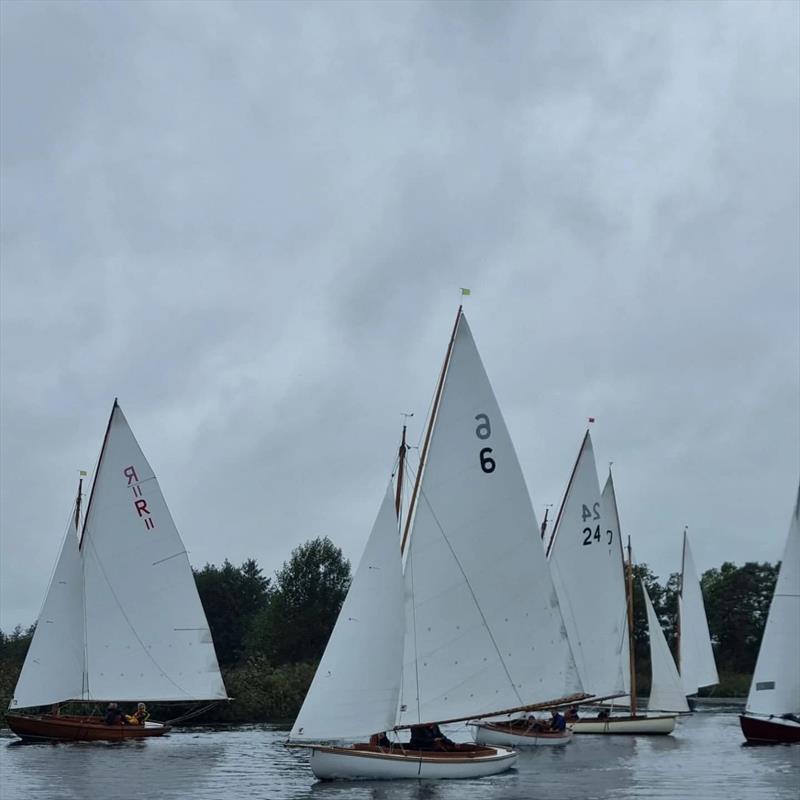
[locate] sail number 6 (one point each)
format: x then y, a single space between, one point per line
483 432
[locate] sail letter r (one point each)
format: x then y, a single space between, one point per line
130 474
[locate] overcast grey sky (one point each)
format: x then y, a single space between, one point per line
250 222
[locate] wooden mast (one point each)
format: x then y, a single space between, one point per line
544 521
78 505
426 445
630 631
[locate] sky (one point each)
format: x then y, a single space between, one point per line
250 222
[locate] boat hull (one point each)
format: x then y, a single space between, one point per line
356 763
513 736
48 728
639 725
769 730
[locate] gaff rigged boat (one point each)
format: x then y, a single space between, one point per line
122 620
772 714
518 733
437 641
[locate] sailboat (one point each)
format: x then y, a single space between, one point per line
695 654
586 559
470 628
121 620
772 714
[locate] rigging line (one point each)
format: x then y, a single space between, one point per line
472 594
414 617
130 624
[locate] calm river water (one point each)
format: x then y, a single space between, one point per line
704 759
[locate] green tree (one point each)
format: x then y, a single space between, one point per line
231 597
303 605
737 603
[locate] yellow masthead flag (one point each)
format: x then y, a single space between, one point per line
83 473
465 292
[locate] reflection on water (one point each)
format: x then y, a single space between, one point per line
704 758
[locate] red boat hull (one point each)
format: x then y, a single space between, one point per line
765 730
47 727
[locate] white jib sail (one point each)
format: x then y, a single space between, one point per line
776 680
53 668
588 573
483 626
357 684
666 690
146 633
696 657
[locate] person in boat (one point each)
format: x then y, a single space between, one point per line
429 737
557 722
380 740
536 725
114 715
572 714
141 715
603 714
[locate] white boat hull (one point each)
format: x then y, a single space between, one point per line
491 735
641 725
344 763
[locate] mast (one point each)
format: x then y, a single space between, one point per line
401 463
78 505
566 494
97 472
630 630
678 609
429 432
544 521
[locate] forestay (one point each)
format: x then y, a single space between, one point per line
53 668
666 690
696 656
484 630
587 569
357 684
146 633
776 681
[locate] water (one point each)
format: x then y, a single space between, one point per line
704 758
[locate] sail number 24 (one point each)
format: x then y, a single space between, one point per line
483 432
593 535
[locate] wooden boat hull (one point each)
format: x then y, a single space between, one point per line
355 763
489 733
640 725
769 730
47 727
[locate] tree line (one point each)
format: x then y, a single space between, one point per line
270 632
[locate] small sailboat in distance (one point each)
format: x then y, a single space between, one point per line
471 628
122 620
695 654
772 714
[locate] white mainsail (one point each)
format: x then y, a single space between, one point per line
776 681
696 656
53 668
588 573
484 630
125 599
357 684
666 690
146 633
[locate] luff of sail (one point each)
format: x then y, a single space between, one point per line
776 681
54 665
357 684
696 656
483 626
146 632
588 573
666 690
